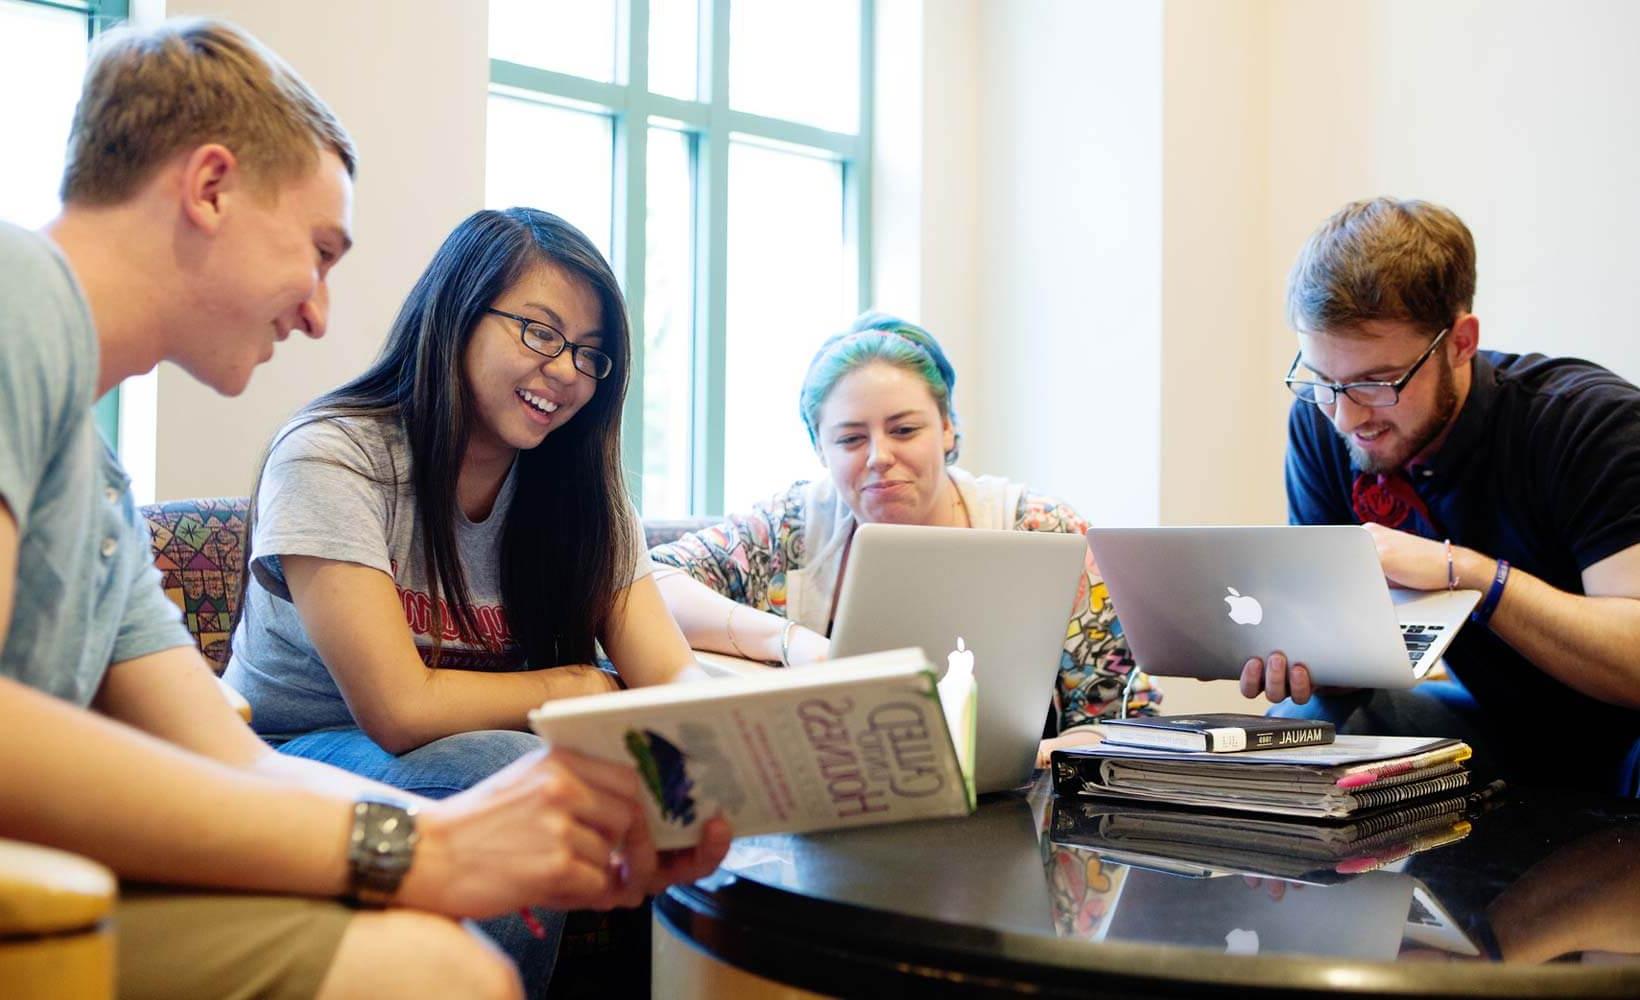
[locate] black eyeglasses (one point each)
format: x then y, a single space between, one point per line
549 343
1373 394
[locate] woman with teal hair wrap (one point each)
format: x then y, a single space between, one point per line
876 336
877 401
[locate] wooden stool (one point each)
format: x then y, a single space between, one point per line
56 938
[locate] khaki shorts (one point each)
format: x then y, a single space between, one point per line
185 943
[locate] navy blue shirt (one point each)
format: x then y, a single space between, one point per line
1542 468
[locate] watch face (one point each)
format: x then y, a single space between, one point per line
381 847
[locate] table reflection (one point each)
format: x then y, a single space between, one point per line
1532 879
1582 901
989 863
1246 885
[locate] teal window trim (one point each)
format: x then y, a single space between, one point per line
109 10
106 14
100 15
106 414
709 123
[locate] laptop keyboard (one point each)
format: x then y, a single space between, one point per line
1418 639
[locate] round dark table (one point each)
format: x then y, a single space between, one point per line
1538 895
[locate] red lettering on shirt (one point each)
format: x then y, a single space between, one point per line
490 619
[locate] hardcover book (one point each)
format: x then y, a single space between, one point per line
1223 732
853 742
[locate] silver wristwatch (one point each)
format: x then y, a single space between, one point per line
380 848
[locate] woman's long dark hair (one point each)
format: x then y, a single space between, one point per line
567 540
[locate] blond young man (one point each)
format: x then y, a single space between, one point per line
207 196
1517 475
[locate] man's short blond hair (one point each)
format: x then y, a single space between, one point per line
153 93
1384 259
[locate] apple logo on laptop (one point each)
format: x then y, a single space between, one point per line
1244 610
960 659
1240 942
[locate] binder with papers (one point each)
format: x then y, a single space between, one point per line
1350 777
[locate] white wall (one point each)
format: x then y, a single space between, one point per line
1518 115
950 197
1223 410
925 207
409 81
897 158
1063 390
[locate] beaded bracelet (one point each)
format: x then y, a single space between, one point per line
1482 614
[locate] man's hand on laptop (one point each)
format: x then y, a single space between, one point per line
1419 563
1274 676
1279 680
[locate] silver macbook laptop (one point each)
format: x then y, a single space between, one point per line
1002 597
1197 602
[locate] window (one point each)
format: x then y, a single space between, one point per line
718 152
43 50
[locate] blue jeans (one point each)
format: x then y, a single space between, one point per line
437 770
1608 764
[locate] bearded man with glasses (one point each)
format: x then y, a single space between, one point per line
1517 475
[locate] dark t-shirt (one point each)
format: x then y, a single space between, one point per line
1542 468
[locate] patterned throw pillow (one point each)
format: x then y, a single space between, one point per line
199 547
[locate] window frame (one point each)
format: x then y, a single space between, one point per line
710 125
99 16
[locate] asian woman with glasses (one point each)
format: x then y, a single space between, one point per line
437 545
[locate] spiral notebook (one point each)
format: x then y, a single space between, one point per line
1351 776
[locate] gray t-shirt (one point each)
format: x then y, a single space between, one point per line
87 594
339 488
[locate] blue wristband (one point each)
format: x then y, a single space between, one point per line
1483 614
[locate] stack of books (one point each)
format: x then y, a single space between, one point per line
1351 777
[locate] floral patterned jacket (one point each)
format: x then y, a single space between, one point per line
784 557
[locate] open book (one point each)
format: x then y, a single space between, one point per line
854 742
